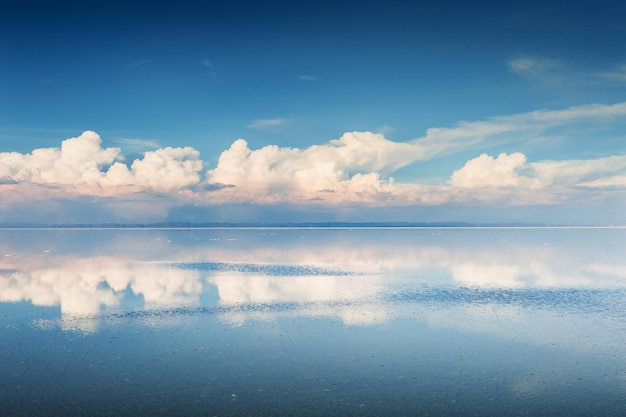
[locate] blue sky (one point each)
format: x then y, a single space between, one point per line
405 111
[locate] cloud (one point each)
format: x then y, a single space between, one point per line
266 123
166 169
485 171
83 164
617 75
307 77
514 171
79 160
338 170
511 180
535 68
357 168
7 180
134 143
385 130
511 129
207 63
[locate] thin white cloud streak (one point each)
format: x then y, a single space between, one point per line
529 67
355 168
266 123
618 75
135 143
307 77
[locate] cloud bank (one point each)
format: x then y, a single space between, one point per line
356 168
82 163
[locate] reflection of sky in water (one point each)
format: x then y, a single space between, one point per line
441 321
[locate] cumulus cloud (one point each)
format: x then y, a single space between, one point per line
81 161
485 171
165 169
351 164
7 180
357 167
514 171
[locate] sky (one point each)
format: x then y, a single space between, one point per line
484 111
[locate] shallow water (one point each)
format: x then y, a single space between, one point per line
364 322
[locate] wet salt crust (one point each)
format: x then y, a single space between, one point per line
365 322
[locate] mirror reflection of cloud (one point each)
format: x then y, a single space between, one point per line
351 298
87 285
82 289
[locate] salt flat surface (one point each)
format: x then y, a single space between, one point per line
231 322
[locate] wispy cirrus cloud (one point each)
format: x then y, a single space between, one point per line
308 77
618 74
266 123
138 144
532 67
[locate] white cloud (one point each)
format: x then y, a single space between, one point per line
350 164
617 75
81 163
532 67
356 168
266 123
307 77
79 160
511 129
167 169
610 181
485 171
513 178
134 143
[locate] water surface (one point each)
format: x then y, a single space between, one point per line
364 322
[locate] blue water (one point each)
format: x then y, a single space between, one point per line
307 322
